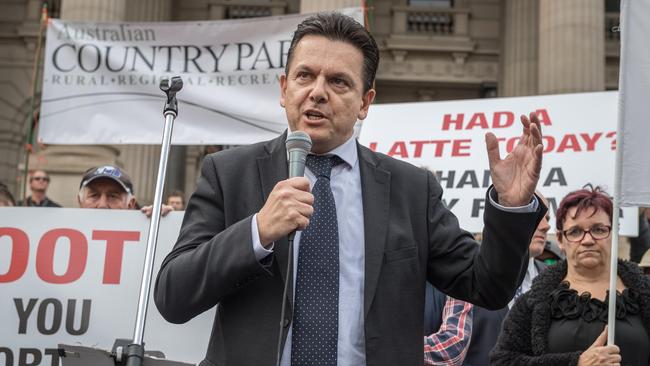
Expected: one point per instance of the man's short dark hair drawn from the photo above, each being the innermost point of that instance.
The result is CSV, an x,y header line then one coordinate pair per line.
x,y
338,27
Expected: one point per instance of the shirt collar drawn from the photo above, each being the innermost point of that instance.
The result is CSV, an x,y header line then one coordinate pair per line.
x,y
346,151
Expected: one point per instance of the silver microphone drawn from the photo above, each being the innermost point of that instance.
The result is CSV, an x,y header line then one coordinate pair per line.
x,y
298,146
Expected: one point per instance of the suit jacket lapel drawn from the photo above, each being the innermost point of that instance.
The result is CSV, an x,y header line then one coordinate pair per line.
x,y
375,186
272,169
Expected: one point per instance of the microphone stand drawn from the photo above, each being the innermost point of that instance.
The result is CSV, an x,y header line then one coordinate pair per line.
x,y
288,277
135,351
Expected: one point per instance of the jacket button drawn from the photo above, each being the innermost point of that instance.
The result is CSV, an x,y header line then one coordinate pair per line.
x,y
285,322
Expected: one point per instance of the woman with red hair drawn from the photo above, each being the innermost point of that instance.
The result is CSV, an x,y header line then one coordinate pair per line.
x,y
562,319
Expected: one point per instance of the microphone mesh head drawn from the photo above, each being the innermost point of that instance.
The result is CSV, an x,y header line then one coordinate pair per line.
x,y
298,140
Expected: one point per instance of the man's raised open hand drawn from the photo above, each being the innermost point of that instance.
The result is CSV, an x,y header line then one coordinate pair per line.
x,y
516,176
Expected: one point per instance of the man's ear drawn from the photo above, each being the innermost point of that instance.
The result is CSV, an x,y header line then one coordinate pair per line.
x,y
131,204
283,88
366,101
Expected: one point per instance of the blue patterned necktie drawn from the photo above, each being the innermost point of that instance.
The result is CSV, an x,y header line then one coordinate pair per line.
x,y
316,308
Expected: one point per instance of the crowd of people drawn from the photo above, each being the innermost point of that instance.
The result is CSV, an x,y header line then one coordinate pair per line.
x,y
558,315
105,186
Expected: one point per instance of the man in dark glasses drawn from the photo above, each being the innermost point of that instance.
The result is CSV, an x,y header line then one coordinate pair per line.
x,y
39,180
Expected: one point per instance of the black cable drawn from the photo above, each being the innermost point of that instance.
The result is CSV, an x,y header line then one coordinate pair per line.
x,y
287,278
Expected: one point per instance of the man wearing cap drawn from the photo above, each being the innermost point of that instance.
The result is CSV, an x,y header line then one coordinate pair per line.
x,y
110,187
106,187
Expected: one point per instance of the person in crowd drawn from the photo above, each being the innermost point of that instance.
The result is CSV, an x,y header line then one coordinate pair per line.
x,y
640,244
486,322
39,180
110,187
176,199
562,319
447,332
371,230
551,254
6,198
107,187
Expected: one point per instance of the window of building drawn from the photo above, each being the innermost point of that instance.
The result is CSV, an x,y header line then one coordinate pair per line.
x,y
432,3
247,11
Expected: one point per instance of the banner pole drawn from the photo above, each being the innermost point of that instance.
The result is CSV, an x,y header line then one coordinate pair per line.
x,y
32,119
613,263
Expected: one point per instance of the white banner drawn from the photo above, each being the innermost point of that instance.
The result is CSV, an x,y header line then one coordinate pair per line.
x,y
101,80
449,138
73,276
633,99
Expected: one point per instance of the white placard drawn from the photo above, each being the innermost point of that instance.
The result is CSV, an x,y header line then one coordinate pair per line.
x,y
449,138
73,276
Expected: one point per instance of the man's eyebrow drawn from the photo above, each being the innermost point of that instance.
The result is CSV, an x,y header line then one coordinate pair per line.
x,y
302,67
342,75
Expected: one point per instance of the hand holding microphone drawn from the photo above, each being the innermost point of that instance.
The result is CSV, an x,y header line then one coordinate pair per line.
x,y
290,203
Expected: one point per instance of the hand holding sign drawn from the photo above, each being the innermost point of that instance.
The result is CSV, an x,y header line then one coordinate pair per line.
x,y
515,177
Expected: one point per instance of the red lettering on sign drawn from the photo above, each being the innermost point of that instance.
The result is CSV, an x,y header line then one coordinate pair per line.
x,y
591,140
76,261
569,142
457,122
460,147
399,149
114,252
478,120
418,148
439,145
498,122
19,254
542,115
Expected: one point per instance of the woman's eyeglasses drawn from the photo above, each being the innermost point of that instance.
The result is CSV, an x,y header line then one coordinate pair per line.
x,y
576,234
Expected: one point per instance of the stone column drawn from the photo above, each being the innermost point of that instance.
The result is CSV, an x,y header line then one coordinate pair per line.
x,y
148,10
93,10
313,6
519,51
571,46
66,163
19,46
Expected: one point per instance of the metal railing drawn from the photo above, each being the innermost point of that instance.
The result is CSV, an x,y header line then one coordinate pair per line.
x,y
418,20
246,9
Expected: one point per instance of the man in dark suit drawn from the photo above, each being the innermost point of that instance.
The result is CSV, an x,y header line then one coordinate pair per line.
x,y
371,234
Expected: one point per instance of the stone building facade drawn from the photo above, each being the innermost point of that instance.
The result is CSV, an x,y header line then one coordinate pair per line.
x,y
431,50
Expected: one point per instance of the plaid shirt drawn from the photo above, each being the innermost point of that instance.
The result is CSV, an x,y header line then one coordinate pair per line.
x,y
449,345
